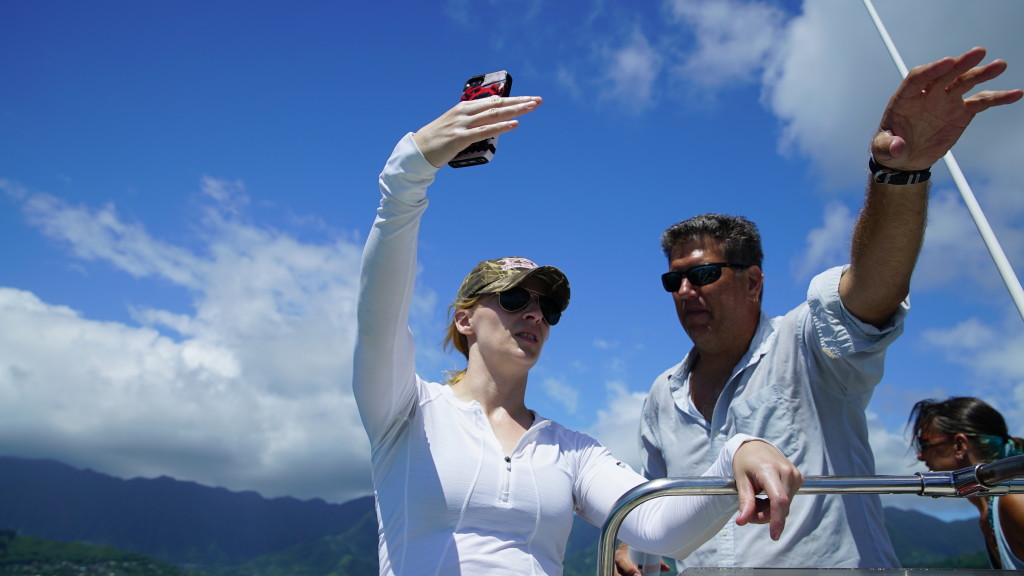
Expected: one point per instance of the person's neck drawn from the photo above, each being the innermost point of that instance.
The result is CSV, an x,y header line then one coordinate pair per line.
x,y
708,378
711,370
502,403
504,391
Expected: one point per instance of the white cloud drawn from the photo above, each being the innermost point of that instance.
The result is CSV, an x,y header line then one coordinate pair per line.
x,y
952,237
631,71
249,390
732,39
569,81
229,195
828,87
992,352
828,245
831,77
565,395
101,235
618,425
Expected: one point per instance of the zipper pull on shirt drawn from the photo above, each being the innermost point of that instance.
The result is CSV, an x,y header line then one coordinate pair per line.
x,y
504,496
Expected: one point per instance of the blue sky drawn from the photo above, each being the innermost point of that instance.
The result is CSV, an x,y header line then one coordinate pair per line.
x,y
185,188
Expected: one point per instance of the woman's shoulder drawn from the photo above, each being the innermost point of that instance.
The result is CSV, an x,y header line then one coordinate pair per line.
x,y
1011,509
568,438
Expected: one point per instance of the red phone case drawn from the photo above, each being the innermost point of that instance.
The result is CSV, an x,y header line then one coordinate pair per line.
x,y
494,84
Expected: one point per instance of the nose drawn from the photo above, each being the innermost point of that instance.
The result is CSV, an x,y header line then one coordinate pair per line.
x,y
532,310
686,289
920,455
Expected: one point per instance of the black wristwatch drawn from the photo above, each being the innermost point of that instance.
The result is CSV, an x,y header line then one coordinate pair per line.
x,y
885,175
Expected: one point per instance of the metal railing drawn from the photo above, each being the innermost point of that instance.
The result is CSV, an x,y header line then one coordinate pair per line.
x,y
995,478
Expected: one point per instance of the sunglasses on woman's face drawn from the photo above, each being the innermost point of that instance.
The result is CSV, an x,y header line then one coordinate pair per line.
x,y
698,275
517,298
926,442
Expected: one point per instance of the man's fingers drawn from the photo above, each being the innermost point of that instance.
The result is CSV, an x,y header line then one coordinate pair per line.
x,y
988,98
888,149
964,64
964,83
943,73
624,565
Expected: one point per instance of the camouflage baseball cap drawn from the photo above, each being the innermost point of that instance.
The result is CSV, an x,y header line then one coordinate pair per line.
x,y
491,276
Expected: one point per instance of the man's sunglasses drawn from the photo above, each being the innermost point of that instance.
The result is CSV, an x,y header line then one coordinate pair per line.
x,y
698,275
517,298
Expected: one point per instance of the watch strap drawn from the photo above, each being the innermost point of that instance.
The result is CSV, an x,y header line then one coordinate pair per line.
x,y
885,175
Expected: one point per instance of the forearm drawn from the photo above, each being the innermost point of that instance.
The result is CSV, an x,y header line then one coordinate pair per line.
x,y
675,526
922,121
384,353
886,242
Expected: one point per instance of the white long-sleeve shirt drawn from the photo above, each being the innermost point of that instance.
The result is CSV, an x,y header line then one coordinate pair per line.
x,y
448,499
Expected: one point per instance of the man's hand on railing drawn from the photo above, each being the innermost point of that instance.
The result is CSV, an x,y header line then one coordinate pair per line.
x,y
625,566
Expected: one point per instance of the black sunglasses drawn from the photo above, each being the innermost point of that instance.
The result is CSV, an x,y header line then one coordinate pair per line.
x,y
517,298
926,442
698,275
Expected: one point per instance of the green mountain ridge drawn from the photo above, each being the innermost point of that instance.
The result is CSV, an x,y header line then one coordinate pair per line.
x,y
197,529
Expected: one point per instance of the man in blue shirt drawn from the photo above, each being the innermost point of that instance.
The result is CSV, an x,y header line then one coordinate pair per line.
x,y
803,381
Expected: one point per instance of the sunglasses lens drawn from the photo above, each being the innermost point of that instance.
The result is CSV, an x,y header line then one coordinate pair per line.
x,y
514,299
704,275
672,281
549,308
517,298
698,276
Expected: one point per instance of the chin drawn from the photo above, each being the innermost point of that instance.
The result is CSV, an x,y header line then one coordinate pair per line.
x,y
697,333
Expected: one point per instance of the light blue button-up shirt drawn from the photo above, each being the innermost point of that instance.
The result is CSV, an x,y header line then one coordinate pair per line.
x,y
803,385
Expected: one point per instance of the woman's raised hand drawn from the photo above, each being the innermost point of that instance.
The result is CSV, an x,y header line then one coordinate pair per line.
x,y
468,122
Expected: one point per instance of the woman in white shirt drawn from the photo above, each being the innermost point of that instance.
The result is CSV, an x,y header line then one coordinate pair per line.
x,y
467,479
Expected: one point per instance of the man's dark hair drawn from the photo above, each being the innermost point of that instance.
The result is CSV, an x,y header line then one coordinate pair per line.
x,y
738,236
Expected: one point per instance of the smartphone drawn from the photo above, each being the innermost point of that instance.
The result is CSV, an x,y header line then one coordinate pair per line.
x,y
494,84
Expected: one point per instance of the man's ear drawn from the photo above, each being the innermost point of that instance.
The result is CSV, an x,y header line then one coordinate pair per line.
x,y
755,283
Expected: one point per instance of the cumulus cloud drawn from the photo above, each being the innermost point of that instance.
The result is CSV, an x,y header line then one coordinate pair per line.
x,y
825,85
827,245
250,389
618,425
951,237
732,39
992,352
631,70
100,235
566,396
831,77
